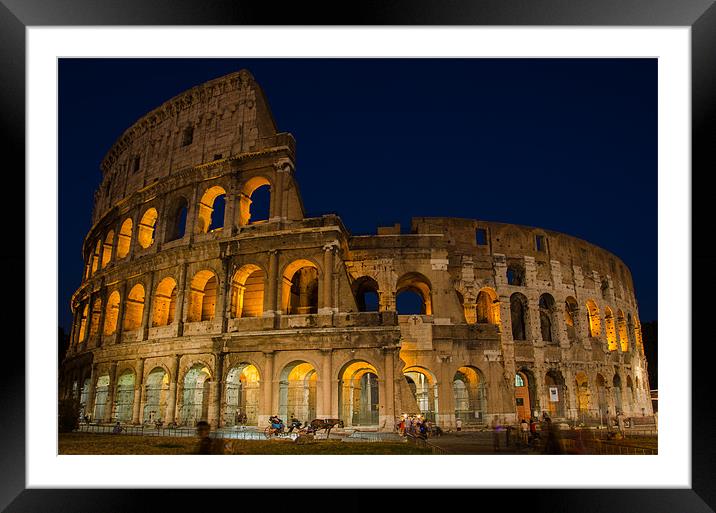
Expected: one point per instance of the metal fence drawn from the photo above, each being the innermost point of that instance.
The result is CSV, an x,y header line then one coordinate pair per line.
x,y
599,446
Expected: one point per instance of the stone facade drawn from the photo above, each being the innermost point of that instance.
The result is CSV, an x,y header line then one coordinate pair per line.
x,y
183,316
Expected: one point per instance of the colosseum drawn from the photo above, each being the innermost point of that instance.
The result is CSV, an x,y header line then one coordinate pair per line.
x,y
193,306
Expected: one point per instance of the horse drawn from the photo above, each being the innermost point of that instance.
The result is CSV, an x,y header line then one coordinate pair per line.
x,y
326,424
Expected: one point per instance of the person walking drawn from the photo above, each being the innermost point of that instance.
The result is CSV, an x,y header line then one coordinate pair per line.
x,y
620,423
458,424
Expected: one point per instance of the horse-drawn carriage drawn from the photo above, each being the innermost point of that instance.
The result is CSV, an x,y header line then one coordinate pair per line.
x,y
309,429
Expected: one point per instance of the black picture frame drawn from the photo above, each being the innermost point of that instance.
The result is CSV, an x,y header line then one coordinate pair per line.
x,y
700,15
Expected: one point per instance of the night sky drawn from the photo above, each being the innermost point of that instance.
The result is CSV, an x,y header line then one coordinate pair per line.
x,y
563,144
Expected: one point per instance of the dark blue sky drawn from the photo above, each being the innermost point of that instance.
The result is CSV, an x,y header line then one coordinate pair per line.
x,y
564,144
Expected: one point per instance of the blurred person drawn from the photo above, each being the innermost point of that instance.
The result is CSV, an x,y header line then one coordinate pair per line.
x,y
207,444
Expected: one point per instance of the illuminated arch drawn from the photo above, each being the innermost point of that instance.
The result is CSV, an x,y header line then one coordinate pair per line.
x,y
246,215
108,248
418,284
95,316
195,395
125,238
297,391
610,329
571,314
96,256
247,291
623,333
365,291
156,394
468,387
593,320
145,231
203,293
488,307
299,291
165,302
358,394
424,389
134,308
583,395
206,206
124,397
112,313
242,395
83,322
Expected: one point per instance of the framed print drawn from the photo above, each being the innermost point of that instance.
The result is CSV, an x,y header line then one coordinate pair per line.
x,y
171,324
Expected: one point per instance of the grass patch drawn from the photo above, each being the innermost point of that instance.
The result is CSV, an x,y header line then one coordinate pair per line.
x,y
92,443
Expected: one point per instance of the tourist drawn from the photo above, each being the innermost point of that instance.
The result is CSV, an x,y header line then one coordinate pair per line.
x,y
458,424
620,423
524,432
207,444
117,429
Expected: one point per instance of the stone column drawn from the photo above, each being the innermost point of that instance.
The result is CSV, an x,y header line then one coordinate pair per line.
x,y
172,400
120,313
88,323
446,408
109,405
223,291
148,306
276,207
215,391
327,303
192,216
267,385
388,402
89,407
102,314
180,308
133,238
138,385
230,214
271,303
326,376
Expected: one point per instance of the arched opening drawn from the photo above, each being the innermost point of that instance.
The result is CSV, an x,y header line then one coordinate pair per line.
x,y
582,387
112,313
365,290
254,201
524,394
518,315
413,295
96,256
83,323
515,275
623,334
134,308
424,388
610,329
468,388
211,212
100,397
617,389
488,307
247,291
554,382
602,402
84,396
195,395
165,302
571,313
176,220
107,248
297,391
202,301
145,232
546,317
242,396
96,314
593,319
358,395
125,238
156,393
630,391
605,290
124,397
300,288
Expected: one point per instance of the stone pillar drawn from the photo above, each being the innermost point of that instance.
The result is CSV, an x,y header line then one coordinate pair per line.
x,y
133,238
148,306
445,414
223,292
138,385
276,207
172,400
230,214
570,391
120,313
388,402
102,315
323,410
192,216
215,391
179,314
271,302
89,407
88,323
109,405
267,386
327,303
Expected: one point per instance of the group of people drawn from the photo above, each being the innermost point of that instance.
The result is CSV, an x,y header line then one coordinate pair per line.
x,y
278,425
417,426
